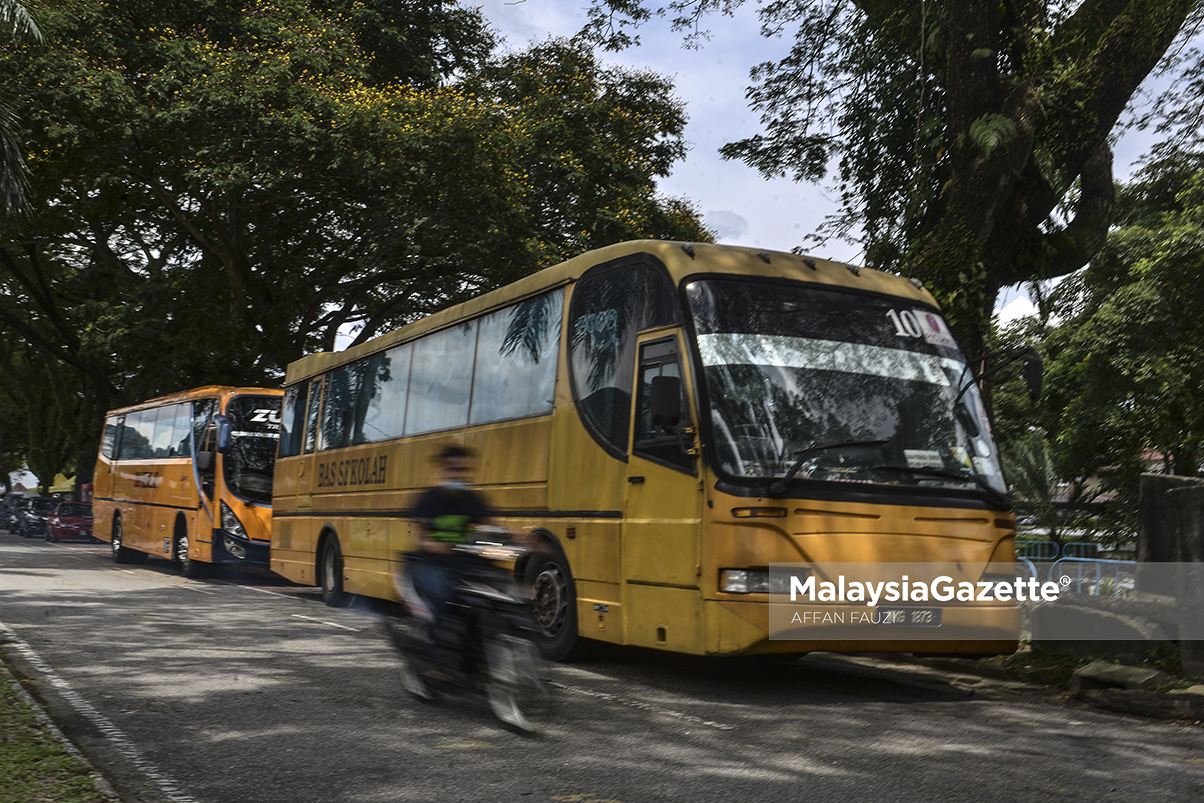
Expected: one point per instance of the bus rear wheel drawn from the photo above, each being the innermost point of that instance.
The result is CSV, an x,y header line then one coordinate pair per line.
x,y
122,553
554,605
332,574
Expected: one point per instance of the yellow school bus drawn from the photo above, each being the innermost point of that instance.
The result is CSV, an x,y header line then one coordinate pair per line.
x,y
671,420
188,477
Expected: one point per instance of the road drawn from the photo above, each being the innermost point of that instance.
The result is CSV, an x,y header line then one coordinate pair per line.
x,y
242,687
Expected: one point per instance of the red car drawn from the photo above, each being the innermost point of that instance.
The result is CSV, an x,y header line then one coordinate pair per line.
x,y
70,520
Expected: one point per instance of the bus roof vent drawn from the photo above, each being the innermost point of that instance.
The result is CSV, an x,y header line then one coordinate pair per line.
x,y
810,263
853,269
688,248
764,257
919,285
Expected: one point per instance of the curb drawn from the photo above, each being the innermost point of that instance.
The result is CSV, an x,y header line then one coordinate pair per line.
x,y
1152,705
98,781
1148,704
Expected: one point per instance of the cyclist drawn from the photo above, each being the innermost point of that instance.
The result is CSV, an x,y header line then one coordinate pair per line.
x,y
448,512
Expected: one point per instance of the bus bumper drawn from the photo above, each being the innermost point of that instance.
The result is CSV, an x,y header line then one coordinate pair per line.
x,y
231,550
744,628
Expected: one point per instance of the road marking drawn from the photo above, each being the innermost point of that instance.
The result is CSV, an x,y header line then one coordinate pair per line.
x,y
122,743
324,622
655,709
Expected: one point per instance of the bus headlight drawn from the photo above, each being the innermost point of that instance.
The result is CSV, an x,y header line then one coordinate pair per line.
x,y
735,581
757,581
230,522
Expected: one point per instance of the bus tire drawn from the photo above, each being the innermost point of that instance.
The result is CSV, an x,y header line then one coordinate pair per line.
x,y
331,573
179,551
554,603
122,553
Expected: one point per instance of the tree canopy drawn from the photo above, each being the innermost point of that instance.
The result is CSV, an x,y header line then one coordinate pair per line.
x,y
218,188
970,138
15,22
1123,341
1127,368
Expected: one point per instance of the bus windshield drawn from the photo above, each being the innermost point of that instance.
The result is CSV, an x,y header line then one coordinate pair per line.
x,y
850,387
255,430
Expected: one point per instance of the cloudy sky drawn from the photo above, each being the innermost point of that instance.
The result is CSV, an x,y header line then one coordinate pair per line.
x,y
738,203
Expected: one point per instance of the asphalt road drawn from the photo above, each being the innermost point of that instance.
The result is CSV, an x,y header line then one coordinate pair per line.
x,y
242,687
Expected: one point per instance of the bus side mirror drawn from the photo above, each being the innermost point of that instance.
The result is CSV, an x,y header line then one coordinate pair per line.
x,y
1034,368
204,461
664,401
223,433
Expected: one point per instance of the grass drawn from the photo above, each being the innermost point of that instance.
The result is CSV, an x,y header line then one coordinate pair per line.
x,y
35,767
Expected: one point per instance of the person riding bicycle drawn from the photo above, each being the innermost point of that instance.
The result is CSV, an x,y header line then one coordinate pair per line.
x,y
448,513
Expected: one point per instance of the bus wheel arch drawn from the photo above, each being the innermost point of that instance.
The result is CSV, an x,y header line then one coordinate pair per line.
x,y
329,570
180,548
553,599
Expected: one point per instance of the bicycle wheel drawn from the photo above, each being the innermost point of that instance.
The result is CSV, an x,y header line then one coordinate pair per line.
x,y
405,637
518,689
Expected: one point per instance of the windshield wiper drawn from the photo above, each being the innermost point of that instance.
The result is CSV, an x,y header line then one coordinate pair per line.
x,y
954,475
778,486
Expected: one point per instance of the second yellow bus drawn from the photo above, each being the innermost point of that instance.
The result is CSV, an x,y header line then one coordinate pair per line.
x,y
188,477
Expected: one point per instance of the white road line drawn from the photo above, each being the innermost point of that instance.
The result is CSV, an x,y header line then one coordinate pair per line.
x,y
655,709
122,743
324,622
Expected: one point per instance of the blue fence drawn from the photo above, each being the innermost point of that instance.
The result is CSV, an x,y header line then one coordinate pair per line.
x,y
1048,550
1077,567
1096,576
1037,550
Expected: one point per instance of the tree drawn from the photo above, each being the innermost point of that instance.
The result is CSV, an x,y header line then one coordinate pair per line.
x,y
1057,506
961,128
1128,361
1124,347
16,21
218,189
53,414
594,141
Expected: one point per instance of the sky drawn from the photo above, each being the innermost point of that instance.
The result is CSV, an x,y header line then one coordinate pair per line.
x,y
739,204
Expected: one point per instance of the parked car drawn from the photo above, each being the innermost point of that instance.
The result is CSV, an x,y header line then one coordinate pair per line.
x,y
70,520
17,506
6,515
33,514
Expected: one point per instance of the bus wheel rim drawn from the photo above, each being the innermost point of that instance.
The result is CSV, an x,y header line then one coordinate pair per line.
x,y
329,568
550,599
182,550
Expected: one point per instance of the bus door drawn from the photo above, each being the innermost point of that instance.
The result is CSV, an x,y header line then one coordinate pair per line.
x,y
663,505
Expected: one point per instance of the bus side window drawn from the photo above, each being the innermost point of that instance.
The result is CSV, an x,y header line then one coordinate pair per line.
x,y
110,445
311,417
612,303
292,419
136,435
662,441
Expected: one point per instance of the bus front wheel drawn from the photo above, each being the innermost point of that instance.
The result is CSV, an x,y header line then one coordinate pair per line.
x,y
188,567
554,605
332,574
